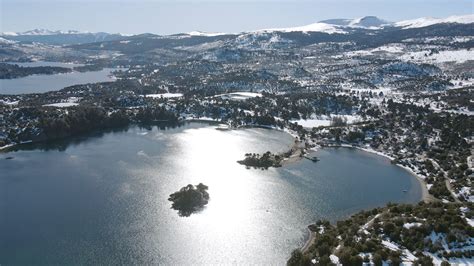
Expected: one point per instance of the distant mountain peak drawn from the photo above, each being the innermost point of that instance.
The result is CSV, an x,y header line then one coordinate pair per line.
x,y
368,22
337,21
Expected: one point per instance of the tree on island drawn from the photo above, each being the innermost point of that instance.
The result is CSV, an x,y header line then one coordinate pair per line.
x,y
189,199
263,161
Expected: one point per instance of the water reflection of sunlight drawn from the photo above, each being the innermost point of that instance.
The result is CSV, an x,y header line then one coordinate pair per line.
x,y
243,202
210,157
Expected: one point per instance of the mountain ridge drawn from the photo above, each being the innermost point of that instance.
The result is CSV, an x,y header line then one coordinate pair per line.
x,y
329,26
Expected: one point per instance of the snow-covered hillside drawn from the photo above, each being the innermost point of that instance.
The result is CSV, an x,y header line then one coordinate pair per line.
x,y
341,26
428,21
315,27
5,41
332,26
368,22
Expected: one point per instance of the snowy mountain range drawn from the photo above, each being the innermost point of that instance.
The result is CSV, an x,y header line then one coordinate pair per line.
x,y
330,26
60,37
372,23
42,32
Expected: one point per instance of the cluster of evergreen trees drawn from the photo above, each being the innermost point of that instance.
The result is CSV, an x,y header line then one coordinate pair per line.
x,y
55,124
10,71
264,161
347,240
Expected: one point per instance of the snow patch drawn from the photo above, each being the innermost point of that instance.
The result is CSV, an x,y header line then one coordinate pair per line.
x,y
61,105
407,257
164,95
71,101
334,259
390,245
239,95
410,225
9,102
325,120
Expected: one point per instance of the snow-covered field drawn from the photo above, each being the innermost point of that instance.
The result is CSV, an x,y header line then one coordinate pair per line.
x,y
61,104
239,95
164,95
325,120
71,101
201,118
310,123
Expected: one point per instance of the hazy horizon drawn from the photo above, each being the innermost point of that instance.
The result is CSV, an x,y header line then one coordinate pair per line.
x,y
168,17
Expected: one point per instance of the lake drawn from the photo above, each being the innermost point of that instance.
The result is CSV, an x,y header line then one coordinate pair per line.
x,y
103,199
44,83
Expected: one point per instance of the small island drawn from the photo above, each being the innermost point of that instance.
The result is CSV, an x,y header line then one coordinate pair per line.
x,y
189,199
268,159
263,161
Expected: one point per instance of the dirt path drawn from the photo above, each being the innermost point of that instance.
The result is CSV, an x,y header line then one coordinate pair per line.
x,y
308,242
296,153
450,188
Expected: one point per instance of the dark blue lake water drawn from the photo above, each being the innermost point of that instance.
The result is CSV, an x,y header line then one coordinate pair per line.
x,y
103,199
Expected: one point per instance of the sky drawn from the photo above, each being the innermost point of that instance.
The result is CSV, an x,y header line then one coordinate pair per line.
x,y
177,16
